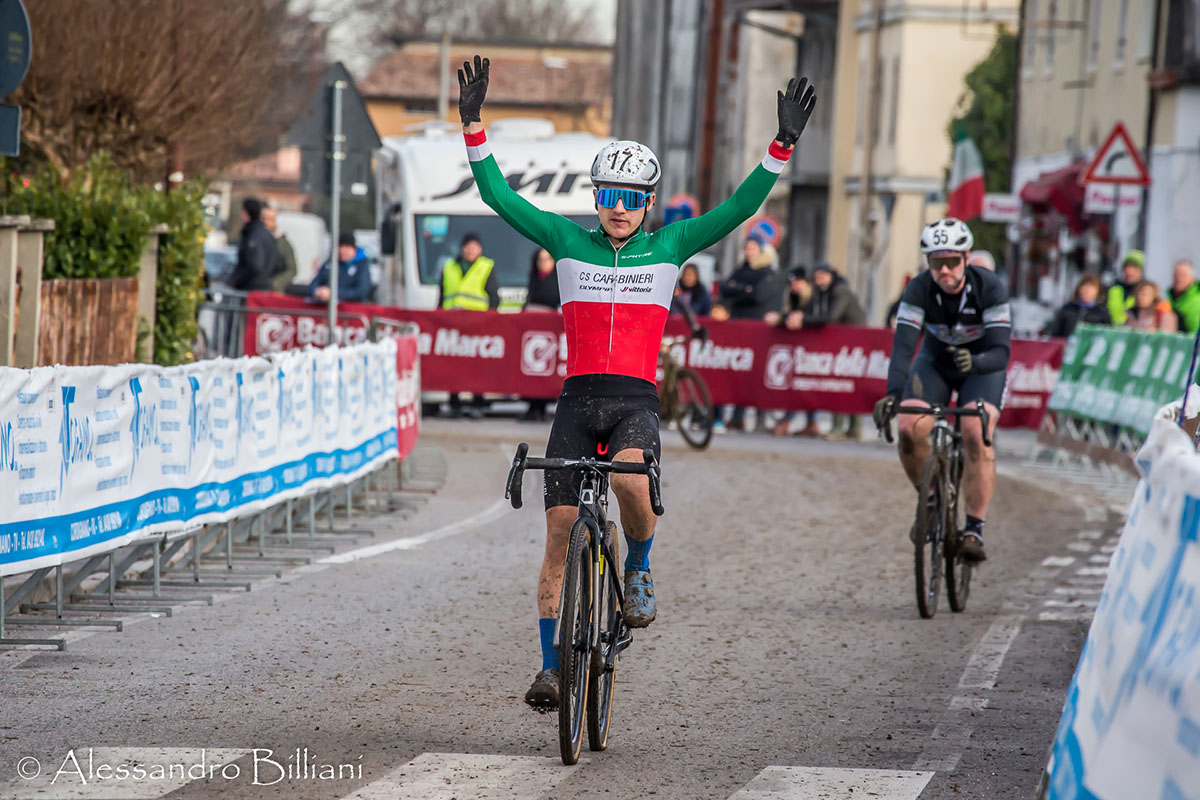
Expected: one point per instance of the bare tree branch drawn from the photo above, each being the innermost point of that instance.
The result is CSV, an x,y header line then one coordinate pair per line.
x,y
523,20
214,79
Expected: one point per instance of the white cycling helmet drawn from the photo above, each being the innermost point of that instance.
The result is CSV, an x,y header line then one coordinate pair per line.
x,y
626,163
946,235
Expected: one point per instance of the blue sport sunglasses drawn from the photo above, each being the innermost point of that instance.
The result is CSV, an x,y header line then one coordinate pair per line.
x,y
632,199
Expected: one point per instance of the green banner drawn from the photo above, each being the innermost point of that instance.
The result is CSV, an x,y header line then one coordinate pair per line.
x,y
1120,376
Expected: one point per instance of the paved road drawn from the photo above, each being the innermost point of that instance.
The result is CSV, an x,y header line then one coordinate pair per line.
x,y
788,660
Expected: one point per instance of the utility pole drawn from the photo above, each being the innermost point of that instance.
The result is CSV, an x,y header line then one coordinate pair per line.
x,y
335,203
867,220
443,106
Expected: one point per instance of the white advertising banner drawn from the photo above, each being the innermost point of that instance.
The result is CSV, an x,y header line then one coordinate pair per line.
x,y
1131,723
92,458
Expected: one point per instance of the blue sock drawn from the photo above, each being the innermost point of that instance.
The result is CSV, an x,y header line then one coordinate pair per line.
x,y
637,554
549,654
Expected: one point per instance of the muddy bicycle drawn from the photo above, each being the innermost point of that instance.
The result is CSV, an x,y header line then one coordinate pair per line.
x,y
683,396
941,515
591,631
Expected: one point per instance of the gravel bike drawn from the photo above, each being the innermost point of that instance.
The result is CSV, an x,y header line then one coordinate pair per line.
x,y
683,397
940,514
591,631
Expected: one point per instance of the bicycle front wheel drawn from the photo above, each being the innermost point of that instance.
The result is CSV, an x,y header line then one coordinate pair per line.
x,y
958,569
608,620
693,408
931,516
574,626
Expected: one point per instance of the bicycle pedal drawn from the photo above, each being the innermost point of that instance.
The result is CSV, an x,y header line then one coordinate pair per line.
x,y
543,710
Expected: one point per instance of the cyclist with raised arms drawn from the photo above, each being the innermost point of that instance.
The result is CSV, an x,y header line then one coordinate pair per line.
x,y
964,313
616,284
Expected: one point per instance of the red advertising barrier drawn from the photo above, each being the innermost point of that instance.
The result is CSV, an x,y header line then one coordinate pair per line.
x,y
838,369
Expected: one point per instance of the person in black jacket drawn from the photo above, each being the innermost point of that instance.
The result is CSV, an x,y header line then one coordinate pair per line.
x,y
692,293
1084,306
833,302
542,296
257,251
543,283
753,289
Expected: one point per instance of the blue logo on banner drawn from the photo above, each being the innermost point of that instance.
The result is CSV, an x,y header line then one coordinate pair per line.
x,y
343,389
199,420
8,448
74,435
144,427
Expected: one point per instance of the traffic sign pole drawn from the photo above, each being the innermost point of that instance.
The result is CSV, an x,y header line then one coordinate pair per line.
x,y
335,205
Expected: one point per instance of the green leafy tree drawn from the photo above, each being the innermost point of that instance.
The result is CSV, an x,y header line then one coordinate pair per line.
x,y
987,109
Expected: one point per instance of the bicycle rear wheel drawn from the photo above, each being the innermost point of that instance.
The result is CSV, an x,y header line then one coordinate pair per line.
x,y
693,409
931,517
600,678
958,570
574,625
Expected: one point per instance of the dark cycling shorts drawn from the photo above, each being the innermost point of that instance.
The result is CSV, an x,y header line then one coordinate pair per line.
x,y
928,382
598,416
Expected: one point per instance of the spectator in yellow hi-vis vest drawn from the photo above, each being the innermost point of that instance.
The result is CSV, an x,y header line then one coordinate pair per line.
x,y
1120,294
469,282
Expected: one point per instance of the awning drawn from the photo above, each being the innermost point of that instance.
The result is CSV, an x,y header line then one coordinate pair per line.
x,y
1058,189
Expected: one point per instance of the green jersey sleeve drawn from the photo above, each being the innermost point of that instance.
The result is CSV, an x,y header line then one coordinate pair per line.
x,y
690,236
551,231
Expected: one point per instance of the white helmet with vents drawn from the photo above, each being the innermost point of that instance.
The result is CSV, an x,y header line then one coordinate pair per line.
x,y
946,235
626,163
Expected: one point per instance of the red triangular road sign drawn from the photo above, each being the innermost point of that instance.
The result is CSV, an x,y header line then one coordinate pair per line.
x,y
1117,161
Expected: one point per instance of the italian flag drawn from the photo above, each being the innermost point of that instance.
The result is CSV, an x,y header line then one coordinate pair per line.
x,y
966,179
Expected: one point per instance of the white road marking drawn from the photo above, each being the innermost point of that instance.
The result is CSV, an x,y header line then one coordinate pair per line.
x,y
492,512
87,773
1090,534
1103,571
1064,616
815,783
1058,561
1089,603
1072,591
451,776
1100,559
1080,547
988,656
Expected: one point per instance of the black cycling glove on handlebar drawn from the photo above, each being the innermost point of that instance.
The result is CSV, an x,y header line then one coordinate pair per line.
x,y
885,409
795,107
472,87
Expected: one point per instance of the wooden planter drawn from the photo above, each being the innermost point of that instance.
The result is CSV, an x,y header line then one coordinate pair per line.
x,y
88,321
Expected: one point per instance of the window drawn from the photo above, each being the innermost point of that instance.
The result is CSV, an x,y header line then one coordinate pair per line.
x,y
1031,37
1122,18
1147,33
1051,21
895,100
1093,12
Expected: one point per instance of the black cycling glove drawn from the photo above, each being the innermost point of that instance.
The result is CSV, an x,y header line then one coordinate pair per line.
x,y
962,358
472,87
795,107
885,409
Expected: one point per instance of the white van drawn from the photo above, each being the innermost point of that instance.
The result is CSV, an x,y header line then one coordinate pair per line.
x,y
428,176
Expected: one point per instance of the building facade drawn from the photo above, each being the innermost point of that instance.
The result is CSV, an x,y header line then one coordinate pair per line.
x,y
900,78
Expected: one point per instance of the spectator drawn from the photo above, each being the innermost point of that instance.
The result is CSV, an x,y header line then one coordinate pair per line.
x,y
1150,312
691,292
1120,294
982,259
1084,306
469,283
256,251
543,283
354,274
833,303
284,271
752,291
542,296
1185,297
796,304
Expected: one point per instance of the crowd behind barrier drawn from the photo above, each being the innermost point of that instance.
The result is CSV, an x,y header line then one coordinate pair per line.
x,y
1111,382
94,458
832,368
1130,726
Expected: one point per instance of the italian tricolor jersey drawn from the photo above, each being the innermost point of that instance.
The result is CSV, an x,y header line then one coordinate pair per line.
x,y
615,301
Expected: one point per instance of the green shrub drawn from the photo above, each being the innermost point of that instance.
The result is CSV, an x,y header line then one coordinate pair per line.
x,y
101,223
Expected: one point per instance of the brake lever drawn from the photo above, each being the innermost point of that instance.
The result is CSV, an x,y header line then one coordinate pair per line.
x,y
985,421
652,472
516,475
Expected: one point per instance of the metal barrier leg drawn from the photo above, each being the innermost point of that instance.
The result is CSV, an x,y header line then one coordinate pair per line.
x,y
60,644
